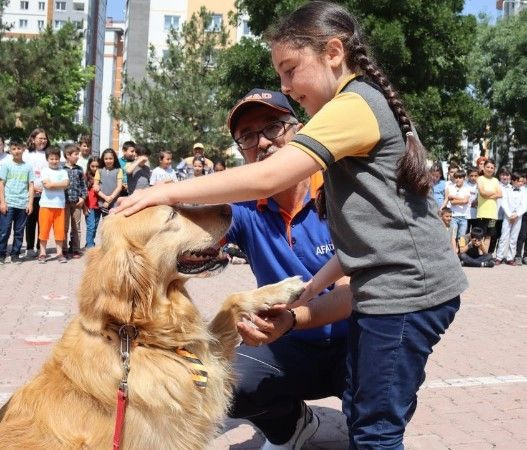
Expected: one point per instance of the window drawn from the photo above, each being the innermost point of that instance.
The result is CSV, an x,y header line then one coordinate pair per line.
x,y
22,23
78,6
78,24
171,22
246,30
60,6
24,5
40,25
59,24
41,6
216,22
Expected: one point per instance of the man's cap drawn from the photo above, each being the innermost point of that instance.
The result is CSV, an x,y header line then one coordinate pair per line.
x,y
198,145
272,99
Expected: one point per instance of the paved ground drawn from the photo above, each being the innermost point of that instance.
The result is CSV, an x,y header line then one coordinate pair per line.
x,y
475,396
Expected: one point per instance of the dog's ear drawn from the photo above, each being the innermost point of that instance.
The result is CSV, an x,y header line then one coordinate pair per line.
x,y
119,278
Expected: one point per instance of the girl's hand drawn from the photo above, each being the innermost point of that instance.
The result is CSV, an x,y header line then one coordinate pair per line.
x,y
143,198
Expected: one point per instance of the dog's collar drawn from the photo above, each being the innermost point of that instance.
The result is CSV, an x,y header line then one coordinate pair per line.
x,y
197,368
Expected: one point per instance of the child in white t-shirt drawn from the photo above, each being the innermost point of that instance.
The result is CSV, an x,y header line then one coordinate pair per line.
x,y
52,204
457,198
164,173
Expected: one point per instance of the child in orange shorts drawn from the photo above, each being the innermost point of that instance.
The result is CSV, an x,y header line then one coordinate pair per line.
x,y
52,204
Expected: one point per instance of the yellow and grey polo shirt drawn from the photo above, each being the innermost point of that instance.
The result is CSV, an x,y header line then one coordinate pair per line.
x,y
394,246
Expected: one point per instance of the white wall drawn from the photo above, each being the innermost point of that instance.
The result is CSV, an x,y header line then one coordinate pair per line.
x,y
157,35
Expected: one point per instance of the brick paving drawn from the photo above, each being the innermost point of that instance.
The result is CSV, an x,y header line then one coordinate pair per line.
x,y
475,395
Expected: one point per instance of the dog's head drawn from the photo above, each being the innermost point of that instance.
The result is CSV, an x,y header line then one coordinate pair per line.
x,y
142,255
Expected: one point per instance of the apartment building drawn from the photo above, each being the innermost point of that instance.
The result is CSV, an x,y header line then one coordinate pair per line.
x,y
148,22
29,17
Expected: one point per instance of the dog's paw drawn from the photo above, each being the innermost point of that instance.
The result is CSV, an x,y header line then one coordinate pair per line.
x,y
261,299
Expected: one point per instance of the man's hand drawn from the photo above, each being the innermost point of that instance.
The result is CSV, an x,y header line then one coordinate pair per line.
x,y
29,208
266,327
80,203
3,208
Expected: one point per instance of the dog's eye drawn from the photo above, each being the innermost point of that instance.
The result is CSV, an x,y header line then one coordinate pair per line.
x,y
172,215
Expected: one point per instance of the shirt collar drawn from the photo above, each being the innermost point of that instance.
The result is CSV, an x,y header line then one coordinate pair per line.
x,y
344,82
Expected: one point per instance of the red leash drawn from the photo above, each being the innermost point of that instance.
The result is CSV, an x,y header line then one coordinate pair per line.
x,y
119,421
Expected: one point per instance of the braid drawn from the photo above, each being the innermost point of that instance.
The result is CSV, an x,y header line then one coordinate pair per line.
x,y
411,168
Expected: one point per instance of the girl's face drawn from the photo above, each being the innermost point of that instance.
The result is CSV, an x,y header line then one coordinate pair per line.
x,y
93,167
41,141
166,161
488,170
198,168
108,160
309,78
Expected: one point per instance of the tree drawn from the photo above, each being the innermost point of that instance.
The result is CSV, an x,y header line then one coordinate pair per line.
x,y
499,77
40,82
177,103
421,45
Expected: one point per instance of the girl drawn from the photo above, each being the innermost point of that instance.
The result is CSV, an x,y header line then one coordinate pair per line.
x,y
198,164
35,156
164,173
383,220
93,213
108,180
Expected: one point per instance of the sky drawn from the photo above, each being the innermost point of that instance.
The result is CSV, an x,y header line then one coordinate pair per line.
x,y
115,8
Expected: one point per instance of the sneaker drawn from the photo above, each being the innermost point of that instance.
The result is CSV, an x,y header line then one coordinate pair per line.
x,y
62,259
488,263
77,255
306,427
15,259
524,260
497,262
31,253
2,260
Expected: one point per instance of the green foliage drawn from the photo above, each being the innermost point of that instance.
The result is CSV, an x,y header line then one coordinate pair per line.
x,y
40,82
499,75
422,46
178,102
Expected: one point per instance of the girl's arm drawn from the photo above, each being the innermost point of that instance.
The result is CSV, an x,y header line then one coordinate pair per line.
x,y
327,275
118,188
258,180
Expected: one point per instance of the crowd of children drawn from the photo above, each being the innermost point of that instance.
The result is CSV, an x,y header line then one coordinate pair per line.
x,y
42,186
486,216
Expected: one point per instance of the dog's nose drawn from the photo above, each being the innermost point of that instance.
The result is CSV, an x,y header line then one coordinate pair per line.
x,y
226,210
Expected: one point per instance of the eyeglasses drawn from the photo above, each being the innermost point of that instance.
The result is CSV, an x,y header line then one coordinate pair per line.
x,y
272,131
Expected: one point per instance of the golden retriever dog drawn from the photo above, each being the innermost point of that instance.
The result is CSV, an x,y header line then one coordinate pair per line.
x,y
137,276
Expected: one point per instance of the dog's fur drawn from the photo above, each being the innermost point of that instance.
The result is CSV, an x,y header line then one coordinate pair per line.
x,y
135,276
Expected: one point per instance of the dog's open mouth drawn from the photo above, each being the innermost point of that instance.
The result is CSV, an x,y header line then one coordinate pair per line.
x,y
201,261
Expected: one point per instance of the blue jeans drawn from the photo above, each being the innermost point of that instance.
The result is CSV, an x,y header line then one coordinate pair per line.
x,y
459,226
15,217
92,221
386,367
272,380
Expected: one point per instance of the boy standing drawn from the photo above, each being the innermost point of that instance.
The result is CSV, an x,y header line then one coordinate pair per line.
x,y
52,203
75,197
514,204
128,156
85,151
457,198
138,171
16,201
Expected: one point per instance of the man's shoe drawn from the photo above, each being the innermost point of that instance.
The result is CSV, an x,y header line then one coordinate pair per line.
x,y
2,260
524,260
306,427
488,263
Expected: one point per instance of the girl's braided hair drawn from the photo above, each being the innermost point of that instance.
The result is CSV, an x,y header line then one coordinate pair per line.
x,y
313,25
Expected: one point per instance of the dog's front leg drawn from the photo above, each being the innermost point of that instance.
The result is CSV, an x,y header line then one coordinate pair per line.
x,y
240,304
